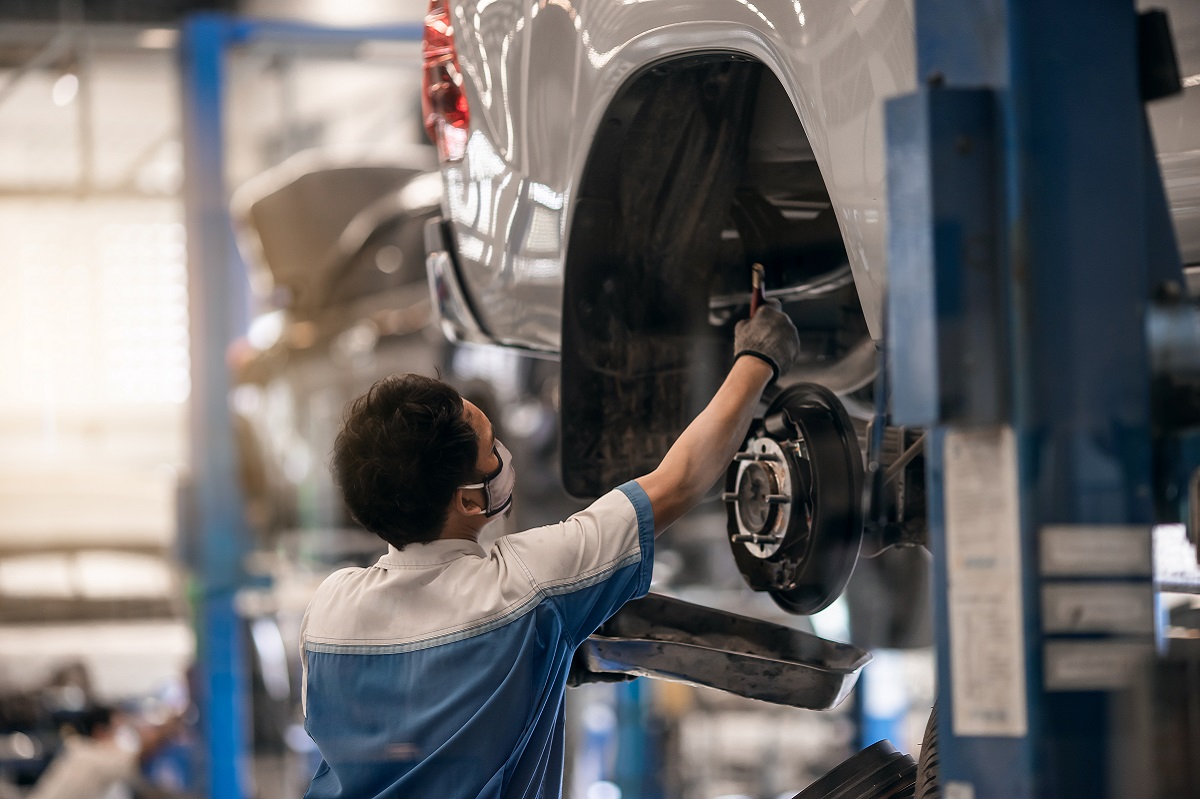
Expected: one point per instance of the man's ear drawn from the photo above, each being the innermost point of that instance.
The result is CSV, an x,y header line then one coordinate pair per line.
x,y
466,505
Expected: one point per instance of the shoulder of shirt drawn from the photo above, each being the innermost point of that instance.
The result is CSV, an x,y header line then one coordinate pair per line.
x,y
341,575
332,582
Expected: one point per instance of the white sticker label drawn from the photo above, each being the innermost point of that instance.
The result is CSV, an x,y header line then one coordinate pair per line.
x,y
1175,567
1095,550
983,535
1097,608
1094,665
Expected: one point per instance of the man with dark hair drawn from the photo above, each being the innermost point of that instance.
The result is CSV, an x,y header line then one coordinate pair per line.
x,y
405,448
440,671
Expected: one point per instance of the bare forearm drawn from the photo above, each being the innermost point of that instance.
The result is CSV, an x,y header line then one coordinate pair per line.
x,y
703,451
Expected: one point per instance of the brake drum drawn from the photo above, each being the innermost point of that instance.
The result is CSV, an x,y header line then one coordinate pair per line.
x,y
794,499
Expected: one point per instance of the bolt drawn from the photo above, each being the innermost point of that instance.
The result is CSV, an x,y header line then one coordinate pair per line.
x,y
744,538
761,457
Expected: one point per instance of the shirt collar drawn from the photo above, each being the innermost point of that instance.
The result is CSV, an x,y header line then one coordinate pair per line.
x,y
433,553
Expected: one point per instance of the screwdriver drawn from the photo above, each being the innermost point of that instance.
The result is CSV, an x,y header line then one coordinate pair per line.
x,y
758,279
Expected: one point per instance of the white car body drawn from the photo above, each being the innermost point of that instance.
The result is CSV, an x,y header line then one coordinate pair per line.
x,y
543,79
540,78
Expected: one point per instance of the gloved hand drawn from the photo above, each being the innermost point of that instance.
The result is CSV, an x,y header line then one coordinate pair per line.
x,y
769,335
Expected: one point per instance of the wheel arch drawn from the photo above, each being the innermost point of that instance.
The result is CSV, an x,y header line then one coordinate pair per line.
x,y
639,357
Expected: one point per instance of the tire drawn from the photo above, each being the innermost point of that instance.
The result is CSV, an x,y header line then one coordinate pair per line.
x,y
877,772
928,782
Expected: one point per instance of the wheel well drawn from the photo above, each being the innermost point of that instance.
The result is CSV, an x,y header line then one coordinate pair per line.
x,y
700,167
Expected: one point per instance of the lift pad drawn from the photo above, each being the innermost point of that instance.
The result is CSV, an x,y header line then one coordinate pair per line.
x,y
666,638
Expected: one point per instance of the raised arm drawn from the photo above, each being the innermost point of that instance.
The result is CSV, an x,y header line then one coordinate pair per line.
x,y
766,345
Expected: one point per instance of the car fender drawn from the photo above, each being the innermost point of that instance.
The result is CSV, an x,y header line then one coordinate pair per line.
x,y
509,201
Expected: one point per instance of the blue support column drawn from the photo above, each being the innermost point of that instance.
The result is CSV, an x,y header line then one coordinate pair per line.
x,y
1026,227
881,699
637,761
219,313
218,291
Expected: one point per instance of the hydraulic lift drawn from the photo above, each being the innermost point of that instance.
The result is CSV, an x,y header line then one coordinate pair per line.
x,y
1032,269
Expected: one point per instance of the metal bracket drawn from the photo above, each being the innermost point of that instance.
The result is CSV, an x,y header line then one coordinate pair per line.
x,y
946,290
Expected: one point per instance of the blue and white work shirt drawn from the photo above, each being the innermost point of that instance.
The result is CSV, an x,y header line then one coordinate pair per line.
x,y
439,672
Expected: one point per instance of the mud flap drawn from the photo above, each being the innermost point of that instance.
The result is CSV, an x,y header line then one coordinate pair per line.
x,y
639,359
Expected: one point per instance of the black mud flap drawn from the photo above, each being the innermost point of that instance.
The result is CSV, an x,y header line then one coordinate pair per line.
x,y
639,358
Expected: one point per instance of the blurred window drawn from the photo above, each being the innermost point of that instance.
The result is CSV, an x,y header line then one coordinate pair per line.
x,y
93,303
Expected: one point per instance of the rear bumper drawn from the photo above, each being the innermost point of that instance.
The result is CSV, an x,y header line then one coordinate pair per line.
x,y
455,314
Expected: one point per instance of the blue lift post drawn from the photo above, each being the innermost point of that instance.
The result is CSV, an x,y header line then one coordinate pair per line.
x,y
219,309
1026,230
218,298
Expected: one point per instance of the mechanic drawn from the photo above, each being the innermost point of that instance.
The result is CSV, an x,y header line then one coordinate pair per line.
x,y
440,671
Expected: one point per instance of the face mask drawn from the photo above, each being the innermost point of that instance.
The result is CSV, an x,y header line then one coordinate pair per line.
x,y
499,487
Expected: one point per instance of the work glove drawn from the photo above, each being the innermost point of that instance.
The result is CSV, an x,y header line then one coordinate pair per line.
x,y
769,335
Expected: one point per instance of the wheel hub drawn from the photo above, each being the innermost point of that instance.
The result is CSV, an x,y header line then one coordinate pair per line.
x,y
762,497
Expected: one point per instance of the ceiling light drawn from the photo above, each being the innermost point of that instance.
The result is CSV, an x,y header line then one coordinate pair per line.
x,y
65,89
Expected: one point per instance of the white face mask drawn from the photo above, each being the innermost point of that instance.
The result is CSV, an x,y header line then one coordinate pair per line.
x,y
498,488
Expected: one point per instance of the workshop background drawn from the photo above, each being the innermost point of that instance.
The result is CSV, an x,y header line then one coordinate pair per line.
x,y
96,602
105,572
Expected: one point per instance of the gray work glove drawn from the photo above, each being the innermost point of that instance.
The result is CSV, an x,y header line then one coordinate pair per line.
x,y
769,335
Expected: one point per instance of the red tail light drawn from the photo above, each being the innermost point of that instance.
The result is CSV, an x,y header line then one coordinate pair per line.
x,y
443,101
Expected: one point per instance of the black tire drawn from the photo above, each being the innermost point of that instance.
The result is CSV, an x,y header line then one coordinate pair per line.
x,y
877,772
928,782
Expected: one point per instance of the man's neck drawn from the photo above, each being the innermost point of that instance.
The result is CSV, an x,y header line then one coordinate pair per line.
x,y
460,528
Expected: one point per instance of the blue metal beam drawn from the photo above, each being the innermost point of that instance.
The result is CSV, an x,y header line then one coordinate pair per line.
x,y
242,31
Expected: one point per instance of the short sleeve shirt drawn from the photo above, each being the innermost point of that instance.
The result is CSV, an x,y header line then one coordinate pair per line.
x,y
440,671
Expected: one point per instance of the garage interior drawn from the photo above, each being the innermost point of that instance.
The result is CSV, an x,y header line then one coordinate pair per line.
x,y
220,222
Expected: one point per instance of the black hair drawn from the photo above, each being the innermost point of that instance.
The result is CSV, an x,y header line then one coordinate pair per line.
x,y
404,448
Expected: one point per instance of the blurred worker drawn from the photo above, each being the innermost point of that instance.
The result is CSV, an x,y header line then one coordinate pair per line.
x,y
103,760
440,671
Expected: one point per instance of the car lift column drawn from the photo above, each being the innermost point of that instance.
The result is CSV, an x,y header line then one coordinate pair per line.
x,y
1026,227
216,534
